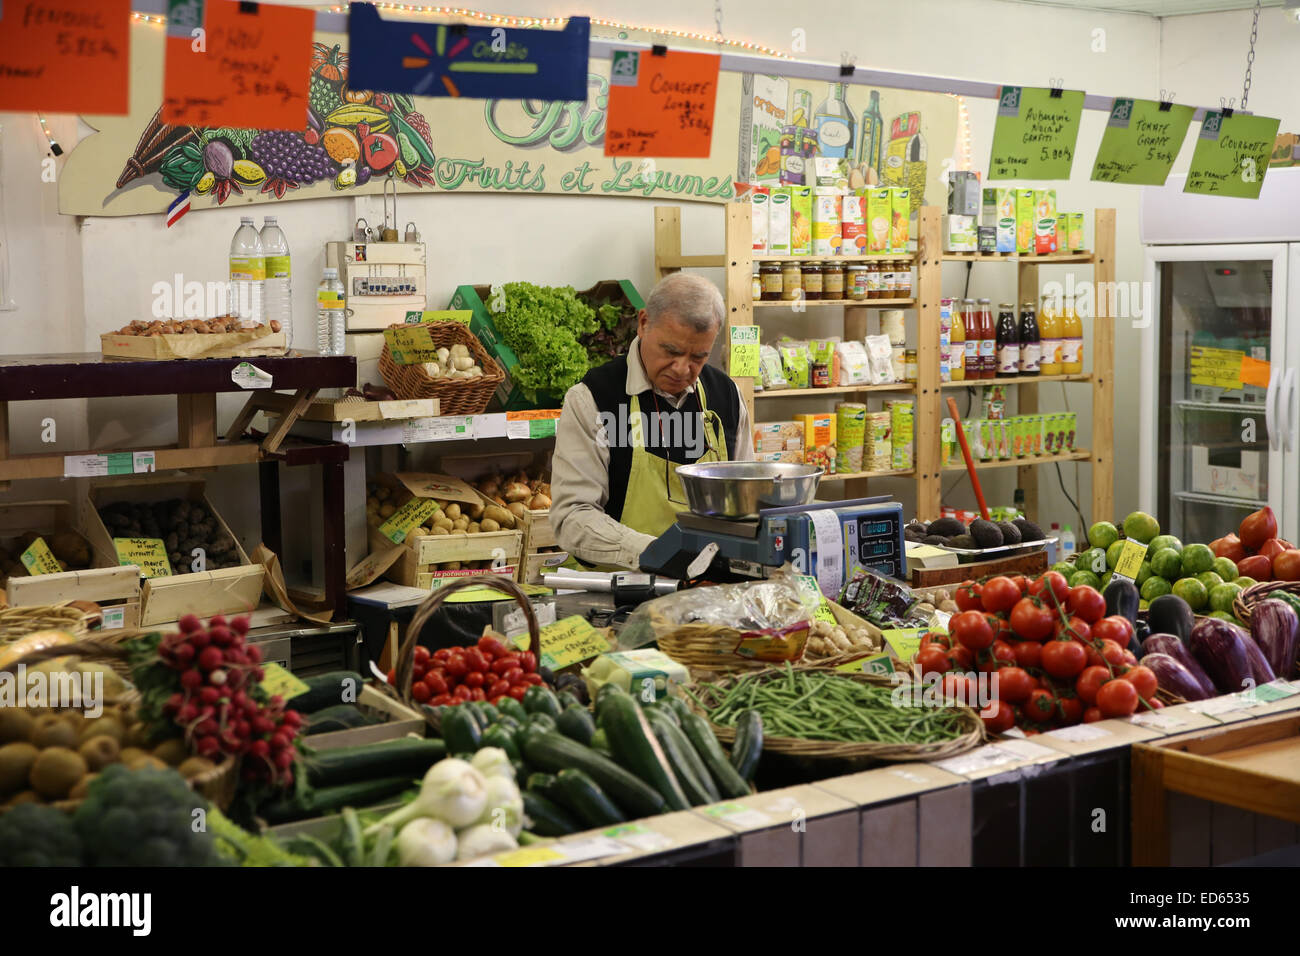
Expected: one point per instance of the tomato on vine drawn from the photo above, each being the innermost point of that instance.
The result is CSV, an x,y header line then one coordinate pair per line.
x,y
1087,603
1040,706
1064,658
968,597
972,629
1030,620
999,595
1055,581
1117,698
1090,682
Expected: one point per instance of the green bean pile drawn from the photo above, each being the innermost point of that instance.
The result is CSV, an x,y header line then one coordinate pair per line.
x,y
818,705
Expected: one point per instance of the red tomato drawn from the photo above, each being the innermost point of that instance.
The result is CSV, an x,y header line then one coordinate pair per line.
x,y
1071,709
436,684
475,659
1030,620
1028,653
968,597
1004,654
442,700
534,679
1002,719
418,672
961,656
517,691
457,665
1116,628
931,639
1112,653
1257,566
475,679
499,689
504,663
420,692
1271,549
1040,707
462,692
959,688
1056,582
1230,547
1090,682
972,629
441,654
421,655
1064,658
1143,680
932,660
1086,603
1129,657
1021,582
490,645
392,676
1286,566
1014,684
477,694
1117,698
1155,703
513,675
1091,715
1075,629
528,661
999,594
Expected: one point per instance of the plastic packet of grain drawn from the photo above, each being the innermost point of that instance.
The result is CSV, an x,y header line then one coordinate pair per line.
x,y
850,433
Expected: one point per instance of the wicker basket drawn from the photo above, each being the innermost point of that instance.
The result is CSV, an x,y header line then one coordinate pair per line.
x,y
462,396
18,622
218,786
973,733
1244,604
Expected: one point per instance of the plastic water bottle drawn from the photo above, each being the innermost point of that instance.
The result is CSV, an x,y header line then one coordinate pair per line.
x,y
279,295
247,273
1067,543
331,312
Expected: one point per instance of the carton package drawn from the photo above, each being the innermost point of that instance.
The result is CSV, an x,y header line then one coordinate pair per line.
x,y
900,223
963,193
819,440
801,203
903,434
788,457
1077,241
988,238
1044,221
825,221
880,211
1024,221
778,221
999,214
760,202
853,224
959,233
1062,231
763,113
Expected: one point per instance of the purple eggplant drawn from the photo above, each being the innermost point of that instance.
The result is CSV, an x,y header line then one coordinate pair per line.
x,y
1171,645
1221,649
1175,678
1275,627
1260,669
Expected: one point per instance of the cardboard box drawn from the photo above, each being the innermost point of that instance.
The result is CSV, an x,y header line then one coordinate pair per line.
x,y
233,590
963,193
366,347
779,430
825,222
959,233
509,395
1243,482
1077,241
1000,214
763,112
399,720
155,348
536,563
853,225
900,198
880,213
819,439
1024,221
1044,221
778,222
987,238
760,202
116,590
790,457
801,207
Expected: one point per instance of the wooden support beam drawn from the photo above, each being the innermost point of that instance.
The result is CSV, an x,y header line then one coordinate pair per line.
x,y
302,398
1027,401
928,409
196,420
739,297
1103,368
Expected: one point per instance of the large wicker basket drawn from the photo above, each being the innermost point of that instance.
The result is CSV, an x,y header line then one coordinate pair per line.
x,y
1243,605
462,396
17,622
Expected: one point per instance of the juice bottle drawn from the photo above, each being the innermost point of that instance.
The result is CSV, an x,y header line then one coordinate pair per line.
x,y
1008,340
970,322
988,341
1071,339
1030,348
1049,328
957,349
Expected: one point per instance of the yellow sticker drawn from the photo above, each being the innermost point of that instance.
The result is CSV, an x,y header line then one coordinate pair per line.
x,y
744,352
1130,560
905,641
148,554
570,640
824,613
411,515
1216,368
39,559
463,316
874,664
411,344
528,856
277,680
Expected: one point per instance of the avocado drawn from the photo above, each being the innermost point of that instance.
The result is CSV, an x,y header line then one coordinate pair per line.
x,y
985,533
936,539
911,533
1028,530
947,527
1010,533
963,542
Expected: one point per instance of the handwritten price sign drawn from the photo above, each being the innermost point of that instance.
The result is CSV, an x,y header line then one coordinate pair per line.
x,y
1035,133
1141,142
661,105
147,554
49,50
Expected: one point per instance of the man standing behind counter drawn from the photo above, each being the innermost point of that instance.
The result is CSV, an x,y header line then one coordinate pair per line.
x,y
629,423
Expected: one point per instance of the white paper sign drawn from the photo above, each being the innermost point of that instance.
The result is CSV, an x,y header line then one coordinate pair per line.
x,y
443,428
247,375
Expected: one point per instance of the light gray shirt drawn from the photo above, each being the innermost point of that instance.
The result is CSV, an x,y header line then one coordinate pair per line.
x,y
580,473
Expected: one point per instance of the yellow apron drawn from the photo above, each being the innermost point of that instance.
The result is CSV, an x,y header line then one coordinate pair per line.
x,y
651,504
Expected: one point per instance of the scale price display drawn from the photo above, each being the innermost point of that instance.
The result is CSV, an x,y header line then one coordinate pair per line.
x,y
878,527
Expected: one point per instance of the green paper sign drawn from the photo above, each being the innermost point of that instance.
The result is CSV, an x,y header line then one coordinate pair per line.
x,y
1141,142
744,352
1035,133
1232,154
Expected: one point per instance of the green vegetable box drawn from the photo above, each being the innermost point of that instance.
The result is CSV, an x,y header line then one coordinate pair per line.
x,y
561,333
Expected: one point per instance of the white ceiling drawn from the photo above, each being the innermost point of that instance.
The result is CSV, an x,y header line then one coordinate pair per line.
x,y
1157,8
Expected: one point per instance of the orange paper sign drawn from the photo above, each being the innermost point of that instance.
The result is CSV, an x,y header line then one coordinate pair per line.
x,y
248,66
1254,372
661,104
65,56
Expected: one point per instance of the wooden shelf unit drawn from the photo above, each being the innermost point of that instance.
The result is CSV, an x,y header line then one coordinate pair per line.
x,y
738,261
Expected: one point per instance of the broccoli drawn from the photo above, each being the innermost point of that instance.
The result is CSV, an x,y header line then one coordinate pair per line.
x,y
32,834
143,817
241,848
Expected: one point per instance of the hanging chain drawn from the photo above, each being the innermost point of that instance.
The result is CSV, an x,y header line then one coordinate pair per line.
x,y
1250,57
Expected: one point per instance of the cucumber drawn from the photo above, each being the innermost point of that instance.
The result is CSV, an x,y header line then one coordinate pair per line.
x,y
600,743
497,736
586,799
576,723
676,703
567,700
547,818
315,803
509,724
540,700
475,707
326,690
749,744
698,732
540,783
486,713
664,710
540,720
460,730
512,708
687,766
554,752
338,717
603,694
410,756
634,745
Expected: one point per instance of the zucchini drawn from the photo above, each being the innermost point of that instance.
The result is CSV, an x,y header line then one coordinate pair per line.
x,y
600,743
480,718
567,700
577,723
687,766
541,721
460,730
634,745
663,709
326,690
338,717
512,708
603,694
540,782
676,703
489,712
555,752
409,756
316,803
496,736
749,744
698,732
547,818
520,768
540,700
586,799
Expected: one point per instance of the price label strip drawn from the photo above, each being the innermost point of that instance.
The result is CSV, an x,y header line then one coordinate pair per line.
x,y
108,465
538,423
147,554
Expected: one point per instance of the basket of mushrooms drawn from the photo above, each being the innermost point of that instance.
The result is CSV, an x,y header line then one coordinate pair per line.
x,y
462,378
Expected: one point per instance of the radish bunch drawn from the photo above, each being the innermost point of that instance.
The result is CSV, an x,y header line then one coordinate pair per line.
x,y
221,706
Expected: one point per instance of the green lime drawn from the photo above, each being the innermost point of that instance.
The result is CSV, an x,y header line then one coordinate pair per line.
x,y
1094,560
1195,559
1167,564
1144,572
1224,616
1112,554
1163,541
1209,579
1079,578
1225,569
1154,587
1221,597
1244,582
1105,579
1193,592
1144,604
1140,526
1102,535
1064,567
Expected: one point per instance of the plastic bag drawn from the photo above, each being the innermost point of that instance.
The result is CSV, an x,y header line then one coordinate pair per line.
x,y
770,365
796,363
880,355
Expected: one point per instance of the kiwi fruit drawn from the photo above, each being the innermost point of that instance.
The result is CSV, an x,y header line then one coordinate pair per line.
x,y
172,752
1010,533
948,527
1028,530
16,761
56,771
53,731
99,752
195,766
147,760
137,735
82,788
963,542
130,754
985,533
15,724
27,796
103,727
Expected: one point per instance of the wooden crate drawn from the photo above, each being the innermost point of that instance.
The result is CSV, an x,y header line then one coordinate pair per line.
x,y
1029,564
223,591
428,580
116,590
220,345
540,534
45,517
399,720
535,563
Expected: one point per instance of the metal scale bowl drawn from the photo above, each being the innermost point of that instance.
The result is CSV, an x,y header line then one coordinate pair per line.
x,y
741,489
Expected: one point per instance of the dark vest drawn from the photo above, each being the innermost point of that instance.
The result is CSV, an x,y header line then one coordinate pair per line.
x,y
608,385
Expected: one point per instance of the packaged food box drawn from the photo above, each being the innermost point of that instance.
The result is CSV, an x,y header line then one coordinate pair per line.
x,y
763,113
1000,215
830,172
1050,421
801,203
1024,221
1077,242
902,427
880,212
770,445
1035,435
825,222
778,221
963,192
1069,424
1044,221
985,445
949,450
987,238
853,224
819,440
789,457
1062,231
901,218
760,202
850,429
782,430
959,233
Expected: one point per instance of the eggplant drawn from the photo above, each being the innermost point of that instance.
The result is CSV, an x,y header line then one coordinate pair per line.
x,y
1275,627
1174,677
1170,614
1169,644
1220,648
1260,669
1122,598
